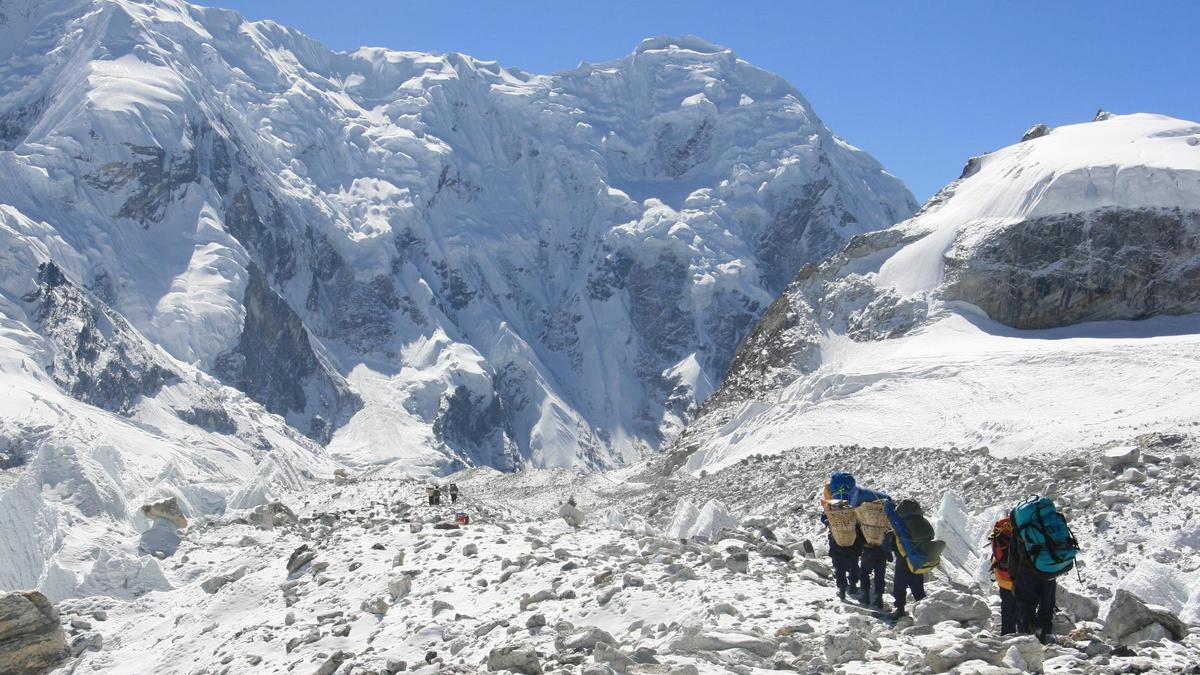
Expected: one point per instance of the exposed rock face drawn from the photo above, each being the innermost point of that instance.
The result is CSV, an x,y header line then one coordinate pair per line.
x,y
274,363
1109,264
1035,131
98,358
31,639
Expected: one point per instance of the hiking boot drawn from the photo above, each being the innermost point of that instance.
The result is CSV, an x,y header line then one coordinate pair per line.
x,y
898,614
842,593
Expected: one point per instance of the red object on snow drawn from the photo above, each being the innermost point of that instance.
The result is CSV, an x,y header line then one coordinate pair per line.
x,y
462,518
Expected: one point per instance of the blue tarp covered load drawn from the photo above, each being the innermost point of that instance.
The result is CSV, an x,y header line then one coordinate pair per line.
x,y
914,536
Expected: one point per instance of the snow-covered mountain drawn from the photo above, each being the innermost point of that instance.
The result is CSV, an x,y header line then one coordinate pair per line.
x,y
1047,300
427,259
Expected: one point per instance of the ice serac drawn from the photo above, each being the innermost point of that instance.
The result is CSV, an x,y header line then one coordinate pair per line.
x,y
1046,300
424,259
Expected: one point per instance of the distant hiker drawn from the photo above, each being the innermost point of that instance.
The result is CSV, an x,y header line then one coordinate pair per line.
x,y
845,540
1001,540
904,580
1043,549
453,493
429,494
435,495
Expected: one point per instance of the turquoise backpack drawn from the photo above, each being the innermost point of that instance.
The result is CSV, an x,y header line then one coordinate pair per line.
x,y
1048,545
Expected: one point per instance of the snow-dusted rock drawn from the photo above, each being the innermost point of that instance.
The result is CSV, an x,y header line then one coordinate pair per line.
x,y
584,638
848,645
167,509
950,605
399,587
516,658
1077,606
31,638
1120,456
1111,498
216,583
612,657
694,640
300,557
571,513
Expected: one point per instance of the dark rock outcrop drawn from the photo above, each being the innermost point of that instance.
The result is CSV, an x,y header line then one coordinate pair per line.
x,y
275,364
1110,264
99,357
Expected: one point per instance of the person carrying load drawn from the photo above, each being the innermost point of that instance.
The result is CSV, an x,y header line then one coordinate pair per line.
x,y
845,541
915,549
870,510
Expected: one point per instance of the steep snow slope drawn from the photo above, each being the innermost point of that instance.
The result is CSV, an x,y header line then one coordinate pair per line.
x,y
1044,301
427,259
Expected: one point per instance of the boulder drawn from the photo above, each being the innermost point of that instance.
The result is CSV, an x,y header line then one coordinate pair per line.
x,y
1113,497
694,641
584,638
612,657
167,509
299,558
1078,607
1129,617
851,645
377,605
270,516
949,605
1125,455
399,587
515,658
216,583
31,638
738,562
335,661
574,516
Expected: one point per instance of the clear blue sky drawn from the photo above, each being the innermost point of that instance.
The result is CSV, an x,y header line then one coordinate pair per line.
x,y
920,85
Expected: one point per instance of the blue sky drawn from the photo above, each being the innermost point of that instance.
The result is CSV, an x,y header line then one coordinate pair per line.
x,y
920,85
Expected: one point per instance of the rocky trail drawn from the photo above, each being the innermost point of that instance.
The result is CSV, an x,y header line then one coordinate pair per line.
x,y
665,575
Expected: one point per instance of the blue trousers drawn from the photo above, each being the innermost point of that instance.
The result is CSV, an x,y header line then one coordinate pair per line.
x,y
904,581
872,567
1008,612
1035,604
845,569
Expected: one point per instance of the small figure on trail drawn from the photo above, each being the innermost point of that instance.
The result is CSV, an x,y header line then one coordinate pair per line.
x,y
1043,549
1001,539
429,494
845,539
453,493
435,495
